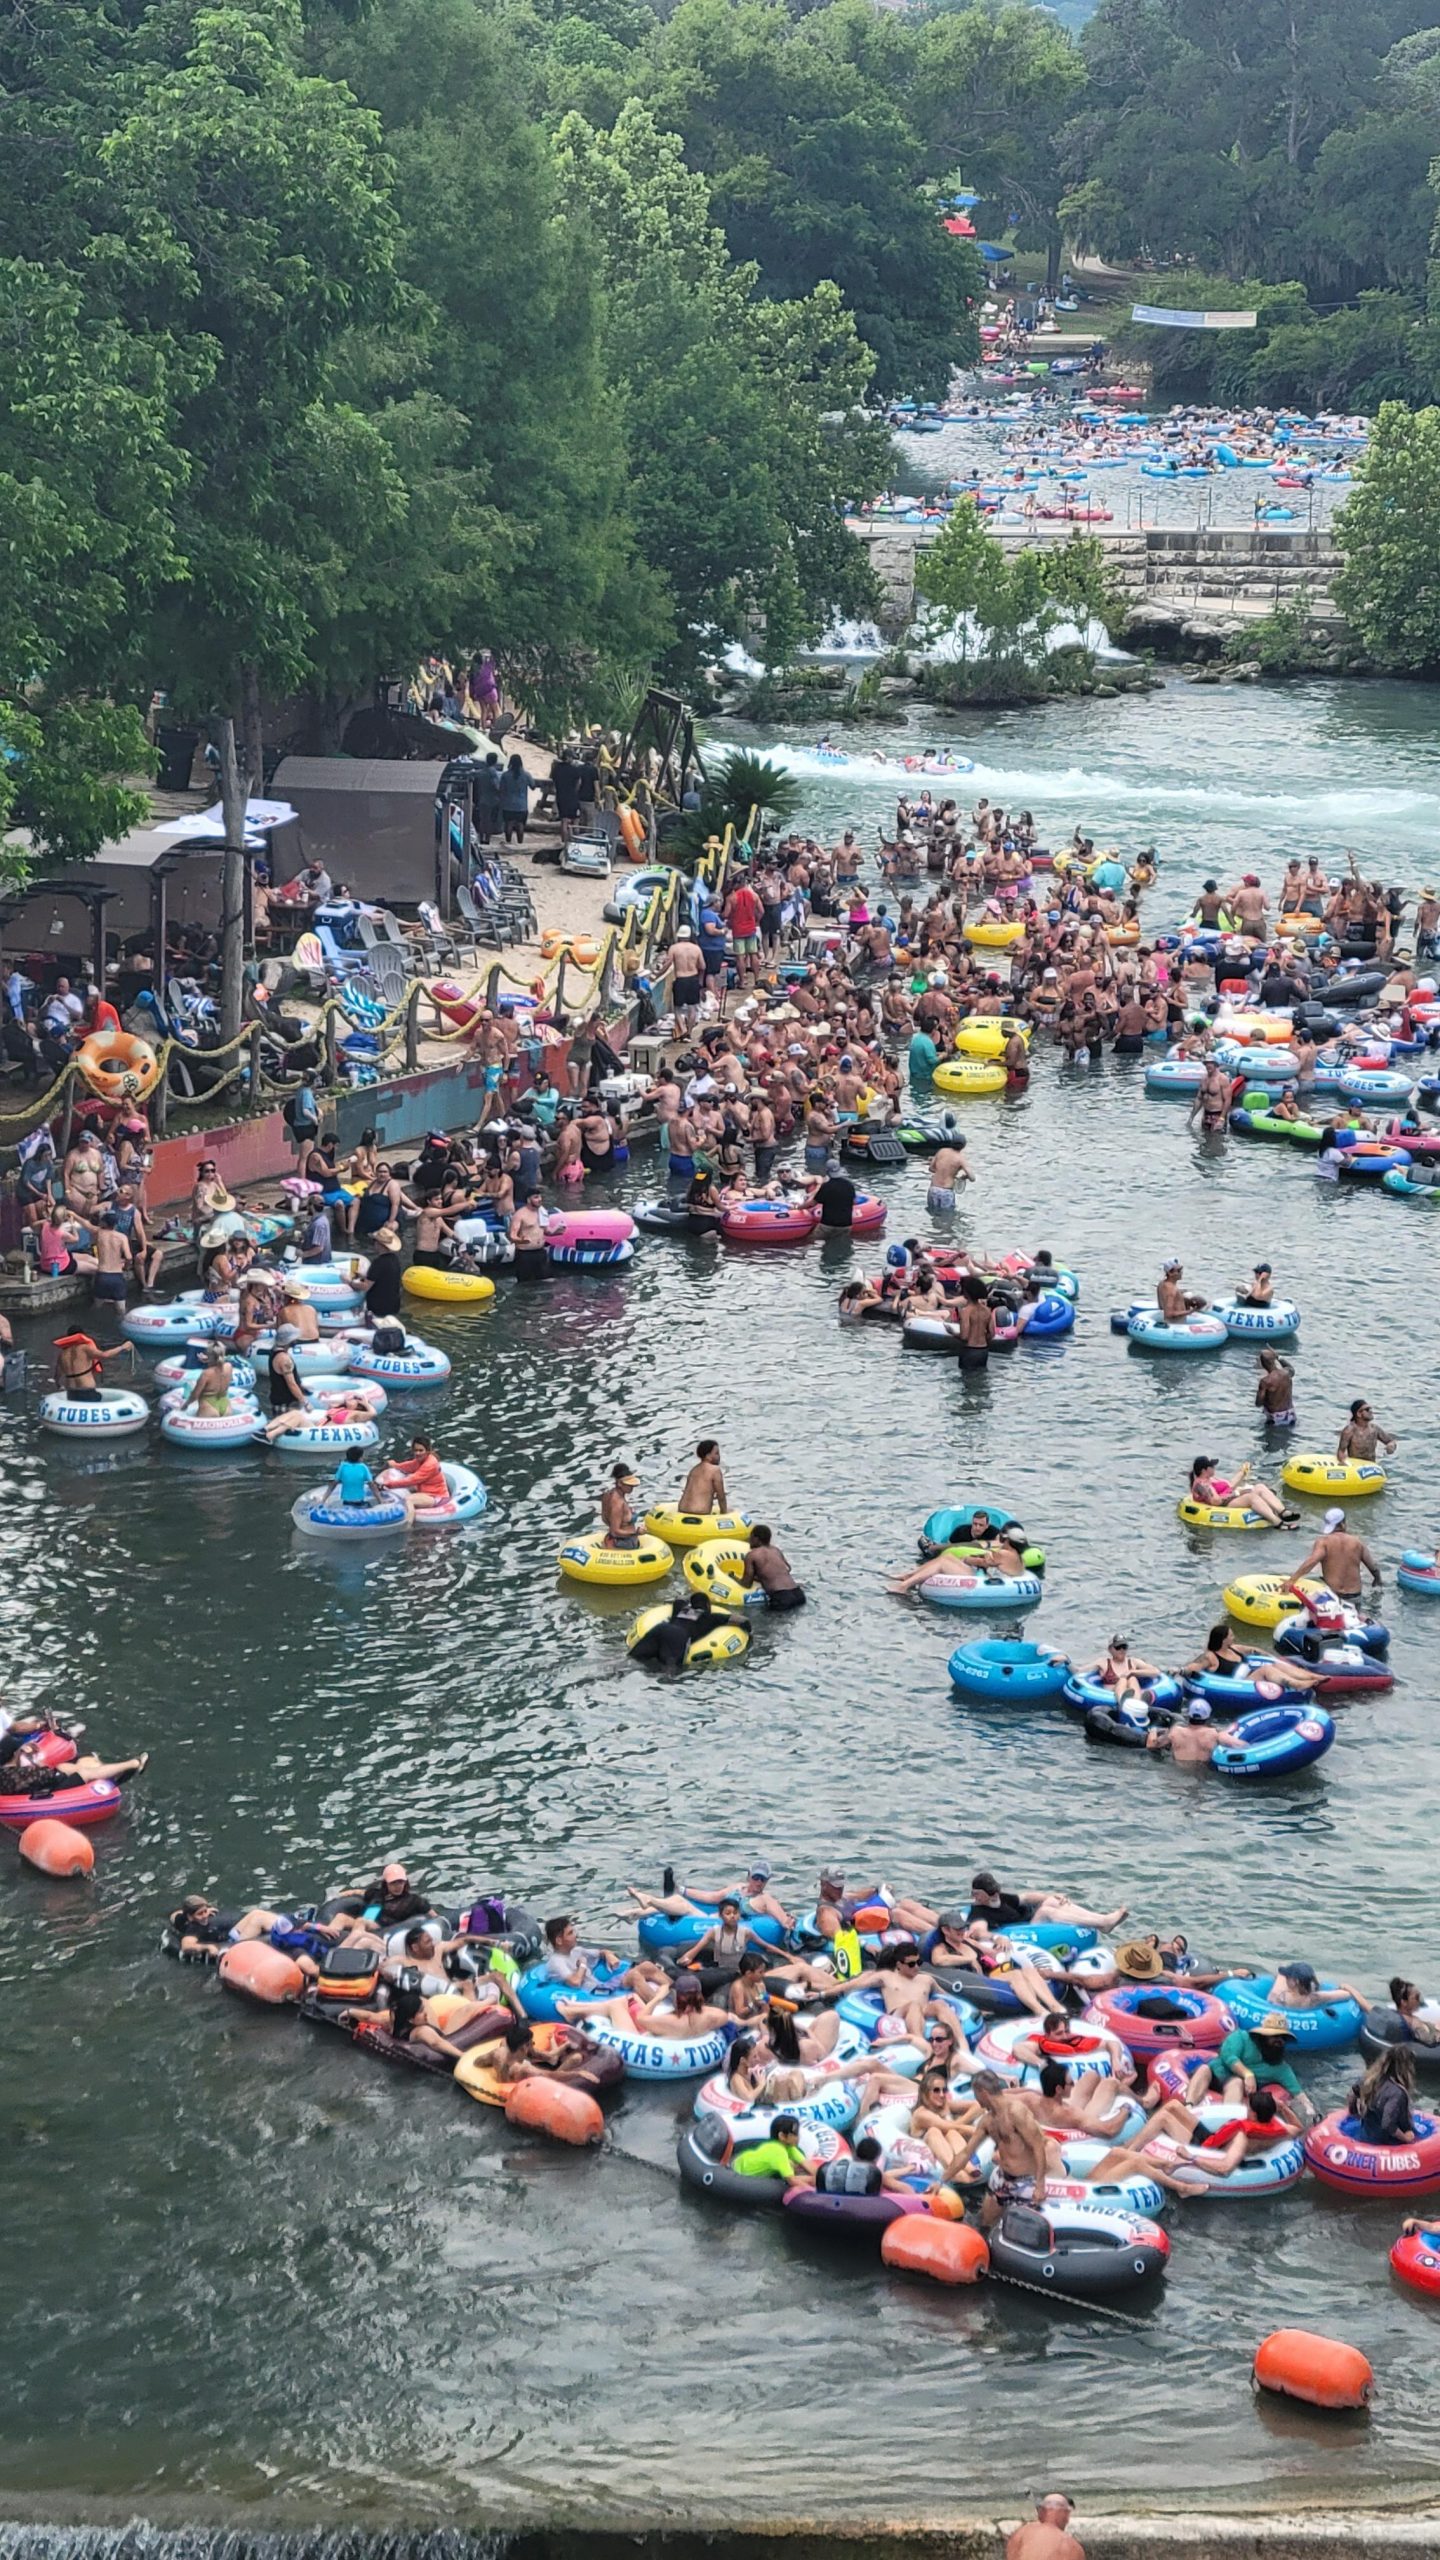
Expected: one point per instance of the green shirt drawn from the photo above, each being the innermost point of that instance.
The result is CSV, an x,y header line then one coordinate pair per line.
x,y
1240,2052
769,2160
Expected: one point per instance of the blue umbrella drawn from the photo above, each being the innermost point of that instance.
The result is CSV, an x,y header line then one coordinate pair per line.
x,y
995,257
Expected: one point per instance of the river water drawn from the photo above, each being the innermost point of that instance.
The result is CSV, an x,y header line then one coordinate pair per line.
x,y
249,2271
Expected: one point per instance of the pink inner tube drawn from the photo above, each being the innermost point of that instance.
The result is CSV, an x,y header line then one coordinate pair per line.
x,y
1203,2029
591,1226
869,1215
81,1807
769,1222
1338,2154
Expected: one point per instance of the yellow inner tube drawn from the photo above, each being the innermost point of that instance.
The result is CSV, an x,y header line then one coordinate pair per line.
x,y
590,1560
475,2071
985,1035
993,937
719,1644
1122,937
1305,1473
449,1288
1224,1515
969,1075
1263,1599
695,1528
706,1569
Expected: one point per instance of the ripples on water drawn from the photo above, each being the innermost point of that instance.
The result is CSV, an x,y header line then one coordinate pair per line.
x,y
262,2267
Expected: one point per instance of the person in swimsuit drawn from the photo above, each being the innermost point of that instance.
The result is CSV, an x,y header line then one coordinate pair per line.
x,y
78,1366
675,2014
113,1261
1021,2159
764,1568
704,1486
948,1169
621,1527
1275,1392
1362,1437
1338,1557
1219,1493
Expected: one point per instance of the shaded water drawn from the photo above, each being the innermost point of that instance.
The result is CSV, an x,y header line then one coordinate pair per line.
x,y
246,2265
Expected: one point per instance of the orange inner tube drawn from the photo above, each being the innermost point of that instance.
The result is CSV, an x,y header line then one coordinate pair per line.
x,y
117,1066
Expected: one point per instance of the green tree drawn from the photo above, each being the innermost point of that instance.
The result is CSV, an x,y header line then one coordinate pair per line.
x,y
65,771
818,174
248,225
1077,575
1389,534
991,89
742,416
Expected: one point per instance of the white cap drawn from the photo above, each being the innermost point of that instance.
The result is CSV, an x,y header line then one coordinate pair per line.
x,y
1334,1518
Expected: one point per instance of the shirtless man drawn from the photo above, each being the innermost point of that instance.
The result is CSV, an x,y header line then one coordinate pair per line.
x,y
1049,2537
1362,1436
1337,1559
704,1487
1275,1391
113,1261
1021,2155
1175,1303
1078,2110
1191,1743
948,1169
1211,1106
621,1527
1247,903
764,1568
568,1166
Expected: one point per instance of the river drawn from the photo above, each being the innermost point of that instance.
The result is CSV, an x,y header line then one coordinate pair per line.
x,y
251,2274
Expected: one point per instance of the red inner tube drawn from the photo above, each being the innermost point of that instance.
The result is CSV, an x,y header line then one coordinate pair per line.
x,y
81,1807
1203,2029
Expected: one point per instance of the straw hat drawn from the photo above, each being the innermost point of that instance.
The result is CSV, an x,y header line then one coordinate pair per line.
x,y
1138,1963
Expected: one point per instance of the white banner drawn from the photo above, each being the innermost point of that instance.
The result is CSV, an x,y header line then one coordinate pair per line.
x,y
1155,316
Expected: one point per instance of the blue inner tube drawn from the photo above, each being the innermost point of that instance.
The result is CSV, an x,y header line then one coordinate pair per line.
x,y
941,1526
1084,1693
1054,1315
1324,2029
1004,1667
657,1932
1273,1741
539,1996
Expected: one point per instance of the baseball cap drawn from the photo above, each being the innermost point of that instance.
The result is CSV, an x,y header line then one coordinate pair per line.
x,y
759,1871
1198,1711
1304,1974
1334,1517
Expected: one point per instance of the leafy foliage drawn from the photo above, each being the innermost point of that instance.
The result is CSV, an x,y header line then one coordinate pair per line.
x,y
1389,532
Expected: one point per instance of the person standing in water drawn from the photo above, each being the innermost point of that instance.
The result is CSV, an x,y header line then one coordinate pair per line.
x,y
1275,1392
704,1487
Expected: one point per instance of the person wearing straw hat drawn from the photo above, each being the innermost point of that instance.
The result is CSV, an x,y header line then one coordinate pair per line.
x,y
299,1313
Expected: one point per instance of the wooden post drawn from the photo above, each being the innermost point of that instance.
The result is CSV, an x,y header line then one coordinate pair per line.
x,y
252,1076
331,1069
412,1029
232,882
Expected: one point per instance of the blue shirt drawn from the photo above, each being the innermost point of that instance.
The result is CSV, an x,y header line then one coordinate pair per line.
x,y
354,1479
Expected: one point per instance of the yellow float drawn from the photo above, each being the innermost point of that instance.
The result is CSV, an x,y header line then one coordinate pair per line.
x,y
993,937
1272,1030
695,1528
475,2071
983,1035
590,1560
1221,1515
1263,1599
1122,937
1327,1477
720,1644
968,1075
582,948
707,1569
447,1288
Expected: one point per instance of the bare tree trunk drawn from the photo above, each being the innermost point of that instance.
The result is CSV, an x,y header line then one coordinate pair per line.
x,y
254,730
232,882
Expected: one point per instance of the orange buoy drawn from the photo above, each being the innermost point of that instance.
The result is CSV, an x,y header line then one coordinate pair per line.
x,y
57,1849
947,2204
951,2252
1305,2366
545,2105
262,1973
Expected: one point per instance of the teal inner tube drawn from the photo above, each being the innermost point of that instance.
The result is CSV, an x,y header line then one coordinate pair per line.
x,y
1008,1669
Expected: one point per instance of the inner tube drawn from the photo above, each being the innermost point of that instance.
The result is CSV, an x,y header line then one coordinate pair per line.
x,y
81,1807
1325,2029
1339,2156
1089,2251
1086,1694
1193,2020
1385,2031
660,2057
1005,1668
111,1416
1107,1724
1273,1742
1202,1332
320,1515
707,2149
